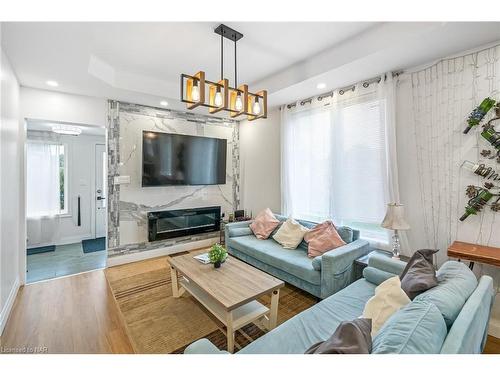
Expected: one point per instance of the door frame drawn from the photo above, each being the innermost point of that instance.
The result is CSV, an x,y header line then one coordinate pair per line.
x,y
94,195
23,234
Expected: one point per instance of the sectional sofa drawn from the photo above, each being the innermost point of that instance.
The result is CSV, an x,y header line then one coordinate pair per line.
x,y
451,318
321,276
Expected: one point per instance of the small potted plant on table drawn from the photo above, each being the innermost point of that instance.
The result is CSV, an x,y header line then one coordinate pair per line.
x,y
217,255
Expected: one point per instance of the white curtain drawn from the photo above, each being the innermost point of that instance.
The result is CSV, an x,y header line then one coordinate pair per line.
x,y
42,179
339,158
443,95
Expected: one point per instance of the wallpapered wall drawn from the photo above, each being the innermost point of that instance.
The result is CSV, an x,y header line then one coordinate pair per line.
x,y
130,203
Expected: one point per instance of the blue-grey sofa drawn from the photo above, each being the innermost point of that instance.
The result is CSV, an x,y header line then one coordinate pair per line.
x,y
321,276
451,318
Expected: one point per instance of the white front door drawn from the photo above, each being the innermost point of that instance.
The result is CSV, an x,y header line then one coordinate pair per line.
x,y
100,190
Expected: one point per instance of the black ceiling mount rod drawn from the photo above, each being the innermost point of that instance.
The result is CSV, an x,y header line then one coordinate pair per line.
x,y
231,34
235,70
221,57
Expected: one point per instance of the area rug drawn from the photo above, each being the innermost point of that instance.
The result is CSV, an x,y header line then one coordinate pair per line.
x,y
41,249
93,245
159,323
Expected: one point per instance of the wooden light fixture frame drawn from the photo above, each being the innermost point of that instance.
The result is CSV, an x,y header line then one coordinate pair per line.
x,y
229,93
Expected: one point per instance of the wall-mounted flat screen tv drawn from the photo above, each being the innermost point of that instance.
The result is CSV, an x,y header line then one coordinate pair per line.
x,y
176,159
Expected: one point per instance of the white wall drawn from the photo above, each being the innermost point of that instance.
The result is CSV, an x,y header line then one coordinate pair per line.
x,y
61,107
10,198
80,182
260,163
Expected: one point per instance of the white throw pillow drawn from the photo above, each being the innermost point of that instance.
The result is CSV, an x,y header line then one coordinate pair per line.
x,y
290,234
388,298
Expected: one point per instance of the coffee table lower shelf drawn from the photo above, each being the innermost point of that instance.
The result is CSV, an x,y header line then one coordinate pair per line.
x,y
234,319
242,315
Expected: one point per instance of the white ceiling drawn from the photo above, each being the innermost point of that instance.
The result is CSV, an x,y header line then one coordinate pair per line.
x,y
142,62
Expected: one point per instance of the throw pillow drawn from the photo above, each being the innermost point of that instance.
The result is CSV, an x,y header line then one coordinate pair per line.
x,y
322,238
349,338
290,234
419,274
264,224
388,298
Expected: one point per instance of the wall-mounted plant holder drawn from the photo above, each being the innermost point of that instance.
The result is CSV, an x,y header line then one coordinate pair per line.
x,y
479,197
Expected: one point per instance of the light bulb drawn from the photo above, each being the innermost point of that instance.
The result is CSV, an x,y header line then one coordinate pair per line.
x,y
238,105
256,107
195,92
218,98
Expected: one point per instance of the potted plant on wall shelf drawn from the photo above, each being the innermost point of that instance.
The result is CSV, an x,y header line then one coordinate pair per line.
x,y
217,255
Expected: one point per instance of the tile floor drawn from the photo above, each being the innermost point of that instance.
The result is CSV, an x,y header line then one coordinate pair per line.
x,y
65,260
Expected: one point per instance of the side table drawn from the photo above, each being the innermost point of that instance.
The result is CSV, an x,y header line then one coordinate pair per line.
x,y
475,253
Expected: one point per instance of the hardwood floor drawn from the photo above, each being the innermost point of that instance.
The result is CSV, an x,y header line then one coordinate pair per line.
x,y
492,345
76,314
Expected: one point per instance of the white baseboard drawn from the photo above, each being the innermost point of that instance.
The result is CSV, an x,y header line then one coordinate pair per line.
x,y
5,313
129,258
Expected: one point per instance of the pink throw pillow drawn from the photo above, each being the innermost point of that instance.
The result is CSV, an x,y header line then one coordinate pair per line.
x,y
264,224
322,238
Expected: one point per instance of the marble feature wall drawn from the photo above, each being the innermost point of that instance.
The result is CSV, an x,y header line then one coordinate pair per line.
x,y
130,203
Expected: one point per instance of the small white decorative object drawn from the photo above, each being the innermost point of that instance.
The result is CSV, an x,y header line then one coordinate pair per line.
x,y
394,219
202,258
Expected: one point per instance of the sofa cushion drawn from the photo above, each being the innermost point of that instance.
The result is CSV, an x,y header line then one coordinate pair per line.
x,y
314,324
239,231
376,276
456,282
346,233
419,274
264,224
322,238
388,299
290,234
416,328
294,262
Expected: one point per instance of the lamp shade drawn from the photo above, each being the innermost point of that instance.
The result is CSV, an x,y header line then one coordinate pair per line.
x,y
394,217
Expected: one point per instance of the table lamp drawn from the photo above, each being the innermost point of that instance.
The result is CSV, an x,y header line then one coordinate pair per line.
x,y
394,219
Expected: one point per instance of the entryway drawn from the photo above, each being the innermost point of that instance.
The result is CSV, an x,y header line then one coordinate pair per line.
x,y
66,181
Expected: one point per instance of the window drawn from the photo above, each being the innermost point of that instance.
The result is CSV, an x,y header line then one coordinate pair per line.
x,y
46,178
335,165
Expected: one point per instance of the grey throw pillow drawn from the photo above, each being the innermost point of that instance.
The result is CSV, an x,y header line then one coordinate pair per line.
x,y
350,337
419,274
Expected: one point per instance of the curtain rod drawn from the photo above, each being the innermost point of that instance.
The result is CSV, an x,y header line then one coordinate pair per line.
x,y
342,90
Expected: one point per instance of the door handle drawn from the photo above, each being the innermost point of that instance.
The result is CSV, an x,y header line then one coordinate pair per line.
x,y
100,198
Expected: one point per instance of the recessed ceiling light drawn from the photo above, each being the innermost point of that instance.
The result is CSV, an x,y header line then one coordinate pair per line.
x,y
66,129
321,85
52,83
164,103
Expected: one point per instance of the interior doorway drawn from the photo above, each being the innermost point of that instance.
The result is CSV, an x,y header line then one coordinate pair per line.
x,y
66,180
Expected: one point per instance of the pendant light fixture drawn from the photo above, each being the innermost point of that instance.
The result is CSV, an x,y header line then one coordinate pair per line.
x,y
237,99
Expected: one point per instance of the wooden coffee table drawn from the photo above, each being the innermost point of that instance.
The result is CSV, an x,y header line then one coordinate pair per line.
x,y
230,292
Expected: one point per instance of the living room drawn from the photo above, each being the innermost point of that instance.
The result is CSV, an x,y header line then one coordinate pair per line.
x,y
274,186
